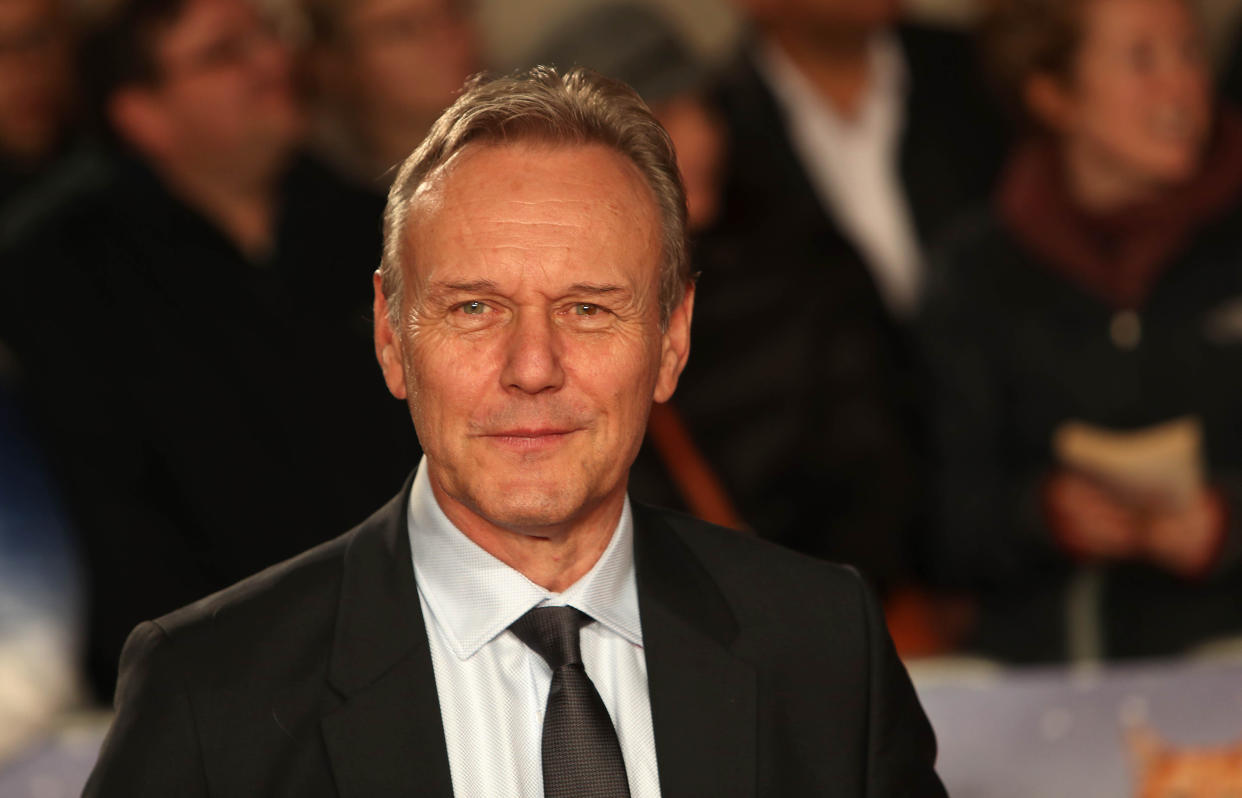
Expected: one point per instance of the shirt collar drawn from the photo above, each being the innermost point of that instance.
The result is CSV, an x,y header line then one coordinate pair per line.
x,y
473,596
797,96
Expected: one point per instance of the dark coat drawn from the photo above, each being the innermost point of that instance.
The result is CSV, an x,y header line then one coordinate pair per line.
x,y
799,391
1013,350
769,674
207,415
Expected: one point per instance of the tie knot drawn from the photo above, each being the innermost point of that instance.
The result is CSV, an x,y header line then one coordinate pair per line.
x,y
552,632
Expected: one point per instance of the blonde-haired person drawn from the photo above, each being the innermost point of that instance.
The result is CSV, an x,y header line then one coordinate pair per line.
x,y
1101,287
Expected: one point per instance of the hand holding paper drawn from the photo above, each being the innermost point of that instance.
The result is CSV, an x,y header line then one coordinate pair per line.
x,y
1136,493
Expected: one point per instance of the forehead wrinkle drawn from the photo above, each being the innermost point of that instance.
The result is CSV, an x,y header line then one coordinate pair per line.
x,y
443,287
553,211
482,220
439,190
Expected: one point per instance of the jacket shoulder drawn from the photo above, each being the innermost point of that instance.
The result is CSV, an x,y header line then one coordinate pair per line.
x,y
757,575
267,626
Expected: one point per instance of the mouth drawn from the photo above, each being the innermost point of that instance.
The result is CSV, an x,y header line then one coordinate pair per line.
x,y
530,440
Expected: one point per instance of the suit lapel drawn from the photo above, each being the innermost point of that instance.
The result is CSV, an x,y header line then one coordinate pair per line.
x,y
386,738
703,699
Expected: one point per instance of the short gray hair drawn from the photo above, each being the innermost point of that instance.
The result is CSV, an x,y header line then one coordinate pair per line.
x,y
574,108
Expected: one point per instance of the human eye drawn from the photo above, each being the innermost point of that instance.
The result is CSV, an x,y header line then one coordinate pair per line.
x,y
473,314
588,315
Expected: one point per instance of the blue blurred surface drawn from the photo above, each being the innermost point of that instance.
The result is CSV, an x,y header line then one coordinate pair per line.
x,y
39,578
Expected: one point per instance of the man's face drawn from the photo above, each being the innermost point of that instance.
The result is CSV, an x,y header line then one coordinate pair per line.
x,y
224,95
407,58
531,346
34,77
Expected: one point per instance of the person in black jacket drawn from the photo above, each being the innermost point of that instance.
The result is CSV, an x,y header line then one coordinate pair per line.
x,y
853,140
1097,299
159,295
512,624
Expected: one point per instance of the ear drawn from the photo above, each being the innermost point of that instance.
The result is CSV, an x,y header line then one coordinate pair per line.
x,y
1047,100
675,347
387,342
136,115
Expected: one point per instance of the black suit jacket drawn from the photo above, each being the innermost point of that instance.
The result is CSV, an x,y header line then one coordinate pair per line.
x,y
801,392
769,674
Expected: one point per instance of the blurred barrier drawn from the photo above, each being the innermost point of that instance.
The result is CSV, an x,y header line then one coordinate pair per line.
x,y
1134,731
58,765
1153,729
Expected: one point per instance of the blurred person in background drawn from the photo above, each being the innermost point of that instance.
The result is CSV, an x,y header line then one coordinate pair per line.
x,y
36,90
882,127
853,139
162,297
381,73
1084,339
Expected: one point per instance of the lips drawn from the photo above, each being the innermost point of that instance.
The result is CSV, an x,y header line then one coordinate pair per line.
x,y
530,440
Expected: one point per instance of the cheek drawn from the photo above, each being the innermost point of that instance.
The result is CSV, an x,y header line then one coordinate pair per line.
x,y
1100,97
621,378
1111,114
450,379
219,110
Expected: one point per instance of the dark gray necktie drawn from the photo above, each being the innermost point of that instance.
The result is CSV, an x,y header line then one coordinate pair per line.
x,y
581,754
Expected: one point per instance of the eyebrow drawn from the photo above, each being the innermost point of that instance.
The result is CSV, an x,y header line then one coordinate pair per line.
x,y
596,289
471,287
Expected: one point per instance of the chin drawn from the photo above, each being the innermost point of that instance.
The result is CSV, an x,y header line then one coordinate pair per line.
x,y
529,508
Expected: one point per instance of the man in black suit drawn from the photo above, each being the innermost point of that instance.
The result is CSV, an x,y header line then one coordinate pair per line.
x,y
854,142
510,624
184,256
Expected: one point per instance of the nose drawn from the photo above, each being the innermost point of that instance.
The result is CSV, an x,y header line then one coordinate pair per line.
x,y
532,357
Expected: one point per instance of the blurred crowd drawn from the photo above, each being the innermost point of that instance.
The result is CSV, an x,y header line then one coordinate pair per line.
x,y
969,310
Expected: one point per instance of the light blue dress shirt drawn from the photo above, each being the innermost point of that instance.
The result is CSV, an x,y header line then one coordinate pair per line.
x,y
493,689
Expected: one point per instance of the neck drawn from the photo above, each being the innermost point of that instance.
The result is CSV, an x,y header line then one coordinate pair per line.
x,y
243,207
1100,186
837,66
552,556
